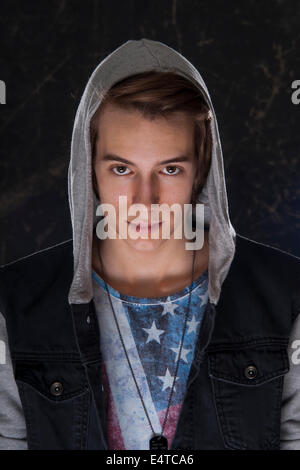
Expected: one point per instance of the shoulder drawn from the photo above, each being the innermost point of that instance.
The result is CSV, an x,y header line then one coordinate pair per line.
x,y
268,271
53,251
256,255
53,254
31,275
247,248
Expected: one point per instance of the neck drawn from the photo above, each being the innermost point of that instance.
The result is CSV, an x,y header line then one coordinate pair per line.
x,y
168,265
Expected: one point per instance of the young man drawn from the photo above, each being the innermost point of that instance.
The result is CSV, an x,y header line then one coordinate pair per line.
x,y
122,343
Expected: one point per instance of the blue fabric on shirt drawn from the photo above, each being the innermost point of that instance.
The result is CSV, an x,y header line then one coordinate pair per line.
x,y
152,331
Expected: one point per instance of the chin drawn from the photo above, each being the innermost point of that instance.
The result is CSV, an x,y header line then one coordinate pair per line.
x,y
145,245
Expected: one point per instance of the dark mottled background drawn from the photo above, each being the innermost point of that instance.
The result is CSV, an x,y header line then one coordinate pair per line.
x,y
248,54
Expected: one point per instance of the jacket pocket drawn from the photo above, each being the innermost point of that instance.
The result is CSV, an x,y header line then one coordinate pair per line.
x,y
247,386
55,397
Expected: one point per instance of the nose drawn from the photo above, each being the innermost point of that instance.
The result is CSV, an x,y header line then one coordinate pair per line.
x,y
146,192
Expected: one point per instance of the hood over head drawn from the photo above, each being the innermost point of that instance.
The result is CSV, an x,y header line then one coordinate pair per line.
x,y
132,57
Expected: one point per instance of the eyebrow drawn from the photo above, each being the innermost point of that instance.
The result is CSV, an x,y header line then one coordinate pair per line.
x,y
113,157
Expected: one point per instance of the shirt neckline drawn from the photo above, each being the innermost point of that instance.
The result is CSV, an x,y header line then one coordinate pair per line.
x,y
200,281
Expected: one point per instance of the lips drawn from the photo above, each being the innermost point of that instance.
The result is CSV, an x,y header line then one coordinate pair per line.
x,y
145,227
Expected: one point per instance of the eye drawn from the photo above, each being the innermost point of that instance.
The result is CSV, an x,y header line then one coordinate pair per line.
x,y
122,167
172,172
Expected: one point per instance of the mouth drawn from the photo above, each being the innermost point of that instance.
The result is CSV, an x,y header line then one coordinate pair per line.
x,y
145,227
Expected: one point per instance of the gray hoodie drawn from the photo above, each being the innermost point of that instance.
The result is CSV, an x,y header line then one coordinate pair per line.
x,y
133,57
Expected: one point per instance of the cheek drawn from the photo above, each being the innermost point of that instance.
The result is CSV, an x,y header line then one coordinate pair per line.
x,y
110,188
180,192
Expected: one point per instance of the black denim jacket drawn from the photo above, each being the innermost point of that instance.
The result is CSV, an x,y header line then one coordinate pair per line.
x,y
234,389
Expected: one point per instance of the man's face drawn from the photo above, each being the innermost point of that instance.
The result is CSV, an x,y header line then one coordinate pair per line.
x,y
136,158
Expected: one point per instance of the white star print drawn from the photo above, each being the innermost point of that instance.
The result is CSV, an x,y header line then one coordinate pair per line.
x,y
203,298
167,380
192,325
183,355
169,307
153,333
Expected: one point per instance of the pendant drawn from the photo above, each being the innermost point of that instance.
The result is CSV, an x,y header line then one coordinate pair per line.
x,y
158,442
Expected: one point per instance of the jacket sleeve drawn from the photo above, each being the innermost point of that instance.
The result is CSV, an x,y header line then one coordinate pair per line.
x,y
290,410
12,421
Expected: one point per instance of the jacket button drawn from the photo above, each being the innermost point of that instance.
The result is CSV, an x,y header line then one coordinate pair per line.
x,y
250,372
56,389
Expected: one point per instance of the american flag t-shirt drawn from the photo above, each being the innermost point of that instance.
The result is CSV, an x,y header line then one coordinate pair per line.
x,y
151,329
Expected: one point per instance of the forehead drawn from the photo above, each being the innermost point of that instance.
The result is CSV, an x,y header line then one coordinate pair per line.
x,y
121,130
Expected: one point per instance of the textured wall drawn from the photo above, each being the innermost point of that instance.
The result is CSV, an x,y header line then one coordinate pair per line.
x,y
248,56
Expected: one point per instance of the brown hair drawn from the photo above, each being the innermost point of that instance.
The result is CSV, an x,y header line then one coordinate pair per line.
x,y
159,94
